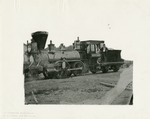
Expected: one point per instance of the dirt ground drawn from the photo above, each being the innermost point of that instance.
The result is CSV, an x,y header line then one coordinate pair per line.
x,y
84,89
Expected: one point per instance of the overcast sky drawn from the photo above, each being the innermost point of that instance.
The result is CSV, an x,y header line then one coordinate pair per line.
x,y
120,23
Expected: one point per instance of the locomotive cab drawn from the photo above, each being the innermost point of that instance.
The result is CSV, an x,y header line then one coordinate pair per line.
x,y
93,48
92,53
94,56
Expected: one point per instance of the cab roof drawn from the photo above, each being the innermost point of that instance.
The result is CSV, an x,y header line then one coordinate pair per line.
x,y
92,41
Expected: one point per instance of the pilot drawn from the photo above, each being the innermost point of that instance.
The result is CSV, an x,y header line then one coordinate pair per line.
x,y
104,50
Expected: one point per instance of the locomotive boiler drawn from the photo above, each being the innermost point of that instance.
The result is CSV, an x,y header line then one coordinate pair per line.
x,y
85,56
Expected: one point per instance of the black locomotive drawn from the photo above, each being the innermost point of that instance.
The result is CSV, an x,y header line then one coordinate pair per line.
x,y
84,57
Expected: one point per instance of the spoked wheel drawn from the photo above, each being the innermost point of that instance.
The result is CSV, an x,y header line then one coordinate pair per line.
x,y
115,68
61,73
78,65
59,69
104,69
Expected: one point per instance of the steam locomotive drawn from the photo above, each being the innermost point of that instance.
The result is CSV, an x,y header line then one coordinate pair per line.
x,y
84,57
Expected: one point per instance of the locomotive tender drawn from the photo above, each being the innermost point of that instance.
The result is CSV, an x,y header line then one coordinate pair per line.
x,y
84,57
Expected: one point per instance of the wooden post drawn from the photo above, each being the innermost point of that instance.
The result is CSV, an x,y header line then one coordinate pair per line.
x,y
34,97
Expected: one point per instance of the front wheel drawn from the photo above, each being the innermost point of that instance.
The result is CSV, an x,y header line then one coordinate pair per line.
x,y
115,68
104,69
62,73
78,65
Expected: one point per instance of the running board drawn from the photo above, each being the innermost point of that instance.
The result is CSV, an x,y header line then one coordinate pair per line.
x,y
75,69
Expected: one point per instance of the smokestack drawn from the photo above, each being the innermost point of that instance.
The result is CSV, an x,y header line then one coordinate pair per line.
x,y
40,37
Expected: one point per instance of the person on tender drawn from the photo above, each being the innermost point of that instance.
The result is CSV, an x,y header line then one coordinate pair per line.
x,y
104,50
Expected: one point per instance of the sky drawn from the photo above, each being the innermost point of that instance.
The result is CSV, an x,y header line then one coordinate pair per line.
x,y
120,23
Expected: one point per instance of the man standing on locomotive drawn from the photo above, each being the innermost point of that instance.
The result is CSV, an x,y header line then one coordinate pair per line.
x,y
104,50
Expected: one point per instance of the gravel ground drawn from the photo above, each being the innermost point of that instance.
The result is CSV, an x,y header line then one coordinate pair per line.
x,y
76,90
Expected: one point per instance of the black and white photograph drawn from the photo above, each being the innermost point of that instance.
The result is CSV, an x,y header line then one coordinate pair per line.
x,y
85,72
80,56
74,59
